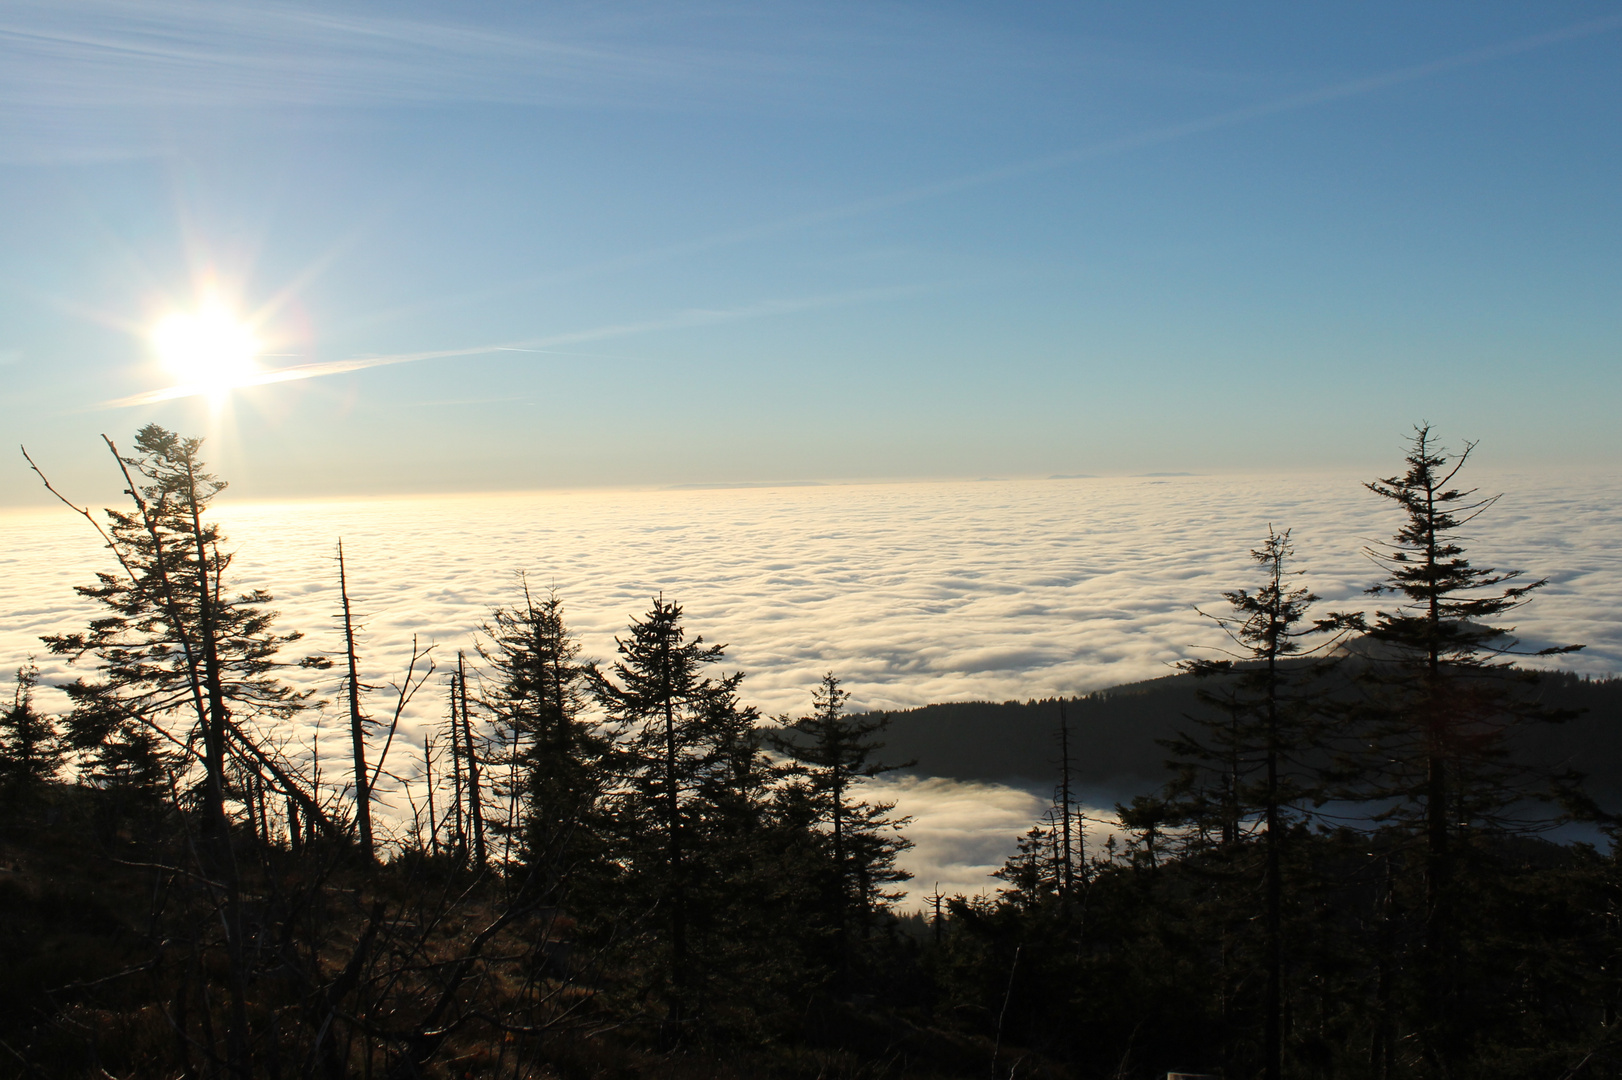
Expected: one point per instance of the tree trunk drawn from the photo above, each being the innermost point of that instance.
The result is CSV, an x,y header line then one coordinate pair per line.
x,y
357,722
1067,862
475,806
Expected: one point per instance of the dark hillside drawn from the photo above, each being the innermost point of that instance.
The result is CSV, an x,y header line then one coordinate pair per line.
x,y
1113,735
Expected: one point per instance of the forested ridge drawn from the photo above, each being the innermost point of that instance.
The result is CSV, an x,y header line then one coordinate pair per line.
x,y
1013,741
1347,844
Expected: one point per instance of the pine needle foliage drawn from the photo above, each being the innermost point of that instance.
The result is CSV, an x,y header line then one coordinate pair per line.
x,y
180,661
1252,774
30,746
558,761
658,691
833,751
1446,707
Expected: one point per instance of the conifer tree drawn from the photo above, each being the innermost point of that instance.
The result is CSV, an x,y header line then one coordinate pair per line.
x,y
1261,752
1072,836
1034,873
749,871
558,760
1448,705
833,752
470,751
1148,819
30,746
1050,857
658,690
181,658
178,654
459,832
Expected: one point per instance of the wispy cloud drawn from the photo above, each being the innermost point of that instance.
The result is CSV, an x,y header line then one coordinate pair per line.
x,y
95,53
114,79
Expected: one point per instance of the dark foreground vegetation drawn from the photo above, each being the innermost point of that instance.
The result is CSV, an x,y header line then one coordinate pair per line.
x,y
1355,868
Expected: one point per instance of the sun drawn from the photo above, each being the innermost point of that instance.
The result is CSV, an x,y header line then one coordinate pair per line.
x,y
207,350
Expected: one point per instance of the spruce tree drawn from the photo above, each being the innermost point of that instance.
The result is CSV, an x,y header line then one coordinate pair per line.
x,y
833,752
557,759
1256,764
1034,873
1447,707
471,755
180,658
1072,835
659,691
748,906
177,654
30,746
359,722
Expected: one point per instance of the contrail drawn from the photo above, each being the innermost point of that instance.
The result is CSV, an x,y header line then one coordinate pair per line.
x,y
1154,137
694,317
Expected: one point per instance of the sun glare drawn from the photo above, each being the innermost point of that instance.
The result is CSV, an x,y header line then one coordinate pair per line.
x,y
208,349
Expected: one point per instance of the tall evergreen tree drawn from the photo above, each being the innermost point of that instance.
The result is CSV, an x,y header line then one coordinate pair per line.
x,y
470,760
557,759
1259,756
30,746
177,653
1448,705
181,658
1034,874
749,873
833,752
1072,834
658,690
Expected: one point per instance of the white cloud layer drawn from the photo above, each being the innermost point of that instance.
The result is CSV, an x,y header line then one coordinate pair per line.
x,y
912,593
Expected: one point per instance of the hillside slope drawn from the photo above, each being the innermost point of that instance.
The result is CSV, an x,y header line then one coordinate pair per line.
x,y
1113,736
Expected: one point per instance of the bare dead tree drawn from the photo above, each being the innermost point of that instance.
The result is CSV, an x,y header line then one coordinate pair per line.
x,y
357,719
475,803
404,691
458,833
1067,857
428,782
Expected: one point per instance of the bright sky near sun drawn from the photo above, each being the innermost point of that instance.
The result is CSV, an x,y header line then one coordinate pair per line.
x,y
404,247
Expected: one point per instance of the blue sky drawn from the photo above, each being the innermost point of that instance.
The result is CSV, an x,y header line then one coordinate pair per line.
x,y
682,243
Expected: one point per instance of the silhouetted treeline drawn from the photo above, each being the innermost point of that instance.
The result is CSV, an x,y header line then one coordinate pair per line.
x,y
1012,742
1351,865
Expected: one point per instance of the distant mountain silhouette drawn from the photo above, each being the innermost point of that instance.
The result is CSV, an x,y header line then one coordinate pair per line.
x,y
1113,733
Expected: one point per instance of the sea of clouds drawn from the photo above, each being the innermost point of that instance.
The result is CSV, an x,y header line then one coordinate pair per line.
x,y
911,592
